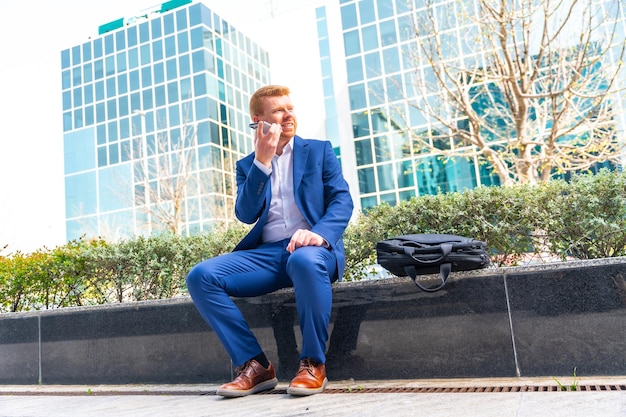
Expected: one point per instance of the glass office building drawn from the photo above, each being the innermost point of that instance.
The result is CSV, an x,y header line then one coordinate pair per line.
x,y
154,118
374,78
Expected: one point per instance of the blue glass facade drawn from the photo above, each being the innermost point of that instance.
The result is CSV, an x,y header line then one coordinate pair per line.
x,y
151,103
380,59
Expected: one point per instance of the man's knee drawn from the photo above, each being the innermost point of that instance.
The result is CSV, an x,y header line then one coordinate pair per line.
x,y
307,260
198,277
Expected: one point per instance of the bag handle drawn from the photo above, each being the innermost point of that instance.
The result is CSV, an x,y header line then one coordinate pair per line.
x,y
444,271
446,248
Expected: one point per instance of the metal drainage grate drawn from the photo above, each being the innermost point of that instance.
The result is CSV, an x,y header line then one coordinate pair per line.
x,y
523,388
348,390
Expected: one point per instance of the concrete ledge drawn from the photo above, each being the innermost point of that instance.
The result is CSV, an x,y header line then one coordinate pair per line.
x,y
536,321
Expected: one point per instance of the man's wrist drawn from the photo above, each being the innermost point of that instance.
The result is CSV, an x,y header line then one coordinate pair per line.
x,y
264,168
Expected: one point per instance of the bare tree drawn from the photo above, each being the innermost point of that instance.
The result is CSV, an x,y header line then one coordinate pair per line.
x,y
161,180
528,87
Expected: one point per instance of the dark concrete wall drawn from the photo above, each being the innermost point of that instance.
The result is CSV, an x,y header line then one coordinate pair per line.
x,y
527,321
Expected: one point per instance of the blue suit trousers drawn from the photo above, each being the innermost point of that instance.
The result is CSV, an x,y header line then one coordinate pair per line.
x,y
253,272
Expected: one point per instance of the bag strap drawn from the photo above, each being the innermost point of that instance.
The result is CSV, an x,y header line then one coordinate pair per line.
x,y
446,248
444,271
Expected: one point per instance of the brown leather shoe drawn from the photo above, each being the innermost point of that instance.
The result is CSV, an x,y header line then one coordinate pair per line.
x,y
251,378
310,379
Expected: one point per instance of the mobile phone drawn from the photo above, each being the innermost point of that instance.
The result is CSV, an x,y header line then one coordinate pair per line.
x,y
266,126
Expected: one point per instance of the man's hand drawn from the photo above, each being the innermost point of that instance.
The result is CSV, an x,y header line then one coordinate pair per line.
x,y
304,237
265,144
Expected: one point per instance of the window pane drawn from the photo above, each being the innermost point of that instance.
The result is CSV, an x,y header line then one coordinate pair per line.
x,y
78,97
348,16
144,32
76,55
357,96
67,100
98,68
170,46
391,59
406,174
122,84
185,68
88,91
363,150
121,61
385,8
372,65
172,92
172,72
88,73
389,199
147,100
120,40
109,46
101,134
368,202
66,79
181,19
97,48
159,73
76,76
159,96
385,178
135,102
376,95
100,112
355,69
131,34
156,28
123,105
351,42
124,127
99,90
202,110
360,125
168,24
366,11
183,43
367,182
370,38
78,118
174,115
89,116
111,87
133,58
157,50
109,64
185,88
146,77
145,54
112,132
388,32
65,58
112,109
114,155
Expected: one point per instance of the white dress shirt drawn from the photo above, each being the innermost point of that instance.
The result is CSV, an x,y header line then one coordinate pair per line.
x,y
284,217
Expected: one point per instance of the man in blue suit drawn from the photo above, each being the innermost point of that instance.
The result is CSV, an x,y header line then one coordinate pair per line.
x,y
294,190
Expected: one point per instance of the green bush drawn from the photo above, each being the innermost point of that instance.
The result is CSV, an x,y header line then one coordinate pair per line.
x,y
580,219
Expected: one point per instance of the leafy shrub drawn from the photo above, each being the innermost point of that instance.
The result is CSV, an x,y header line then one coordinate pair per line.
x,y
582,219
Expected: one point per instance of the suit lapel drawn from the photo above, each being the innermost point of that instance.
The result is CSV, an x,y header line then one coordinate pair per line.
x,y
300,155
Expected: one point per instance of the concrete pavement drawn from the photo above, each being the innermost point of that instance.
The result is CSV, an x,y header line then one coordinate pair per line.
x,y
519,397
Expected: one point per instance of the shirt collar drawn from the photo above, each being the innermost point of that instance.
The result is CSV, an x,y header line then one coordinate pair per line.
x,y
288,148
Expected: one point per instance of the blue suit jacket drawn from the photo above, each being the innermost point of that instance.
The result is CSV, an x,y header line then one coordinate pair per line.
x,y
321,193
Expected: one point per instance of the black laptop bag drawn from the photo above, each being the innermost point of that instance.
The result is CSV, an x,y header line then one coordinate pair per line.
x,y
422,254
